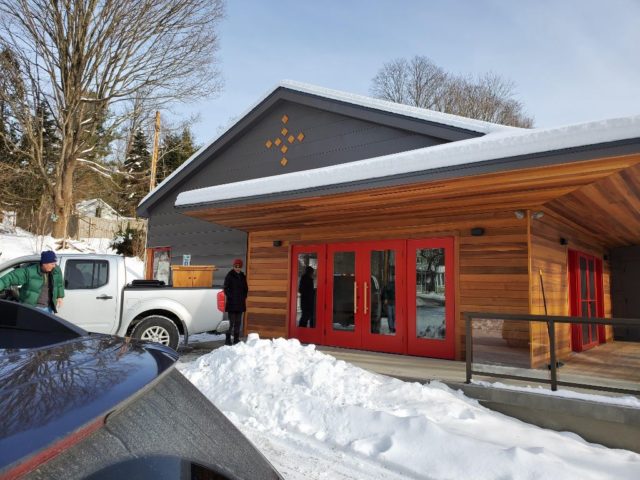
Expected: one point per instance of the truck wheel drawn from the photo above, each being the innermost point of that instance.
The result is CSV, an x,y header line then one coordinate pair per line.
x,y
157,329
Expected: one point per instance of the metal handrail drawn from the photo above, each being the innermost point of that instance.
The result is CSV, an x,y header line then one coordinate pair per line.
x,y
550,320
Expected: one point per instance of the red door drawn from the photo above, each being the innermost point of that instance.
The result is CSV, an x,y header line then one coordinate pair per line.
x,y
386,296
585,283
307,293
365,296
343,312
430,298
383,280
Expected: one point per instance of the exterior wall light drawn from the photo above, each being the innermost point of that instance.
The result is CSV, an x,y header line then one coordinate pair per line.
x,y
477,231
519,214
277,243
537,215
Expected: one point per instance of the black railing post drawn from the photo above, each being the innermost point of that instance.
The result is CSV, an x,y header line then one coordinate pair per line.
x,y
552,353
469,346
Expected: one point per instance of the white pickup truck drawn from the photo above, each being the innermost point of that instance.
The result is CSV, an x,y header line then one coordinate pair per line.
x,y
100,298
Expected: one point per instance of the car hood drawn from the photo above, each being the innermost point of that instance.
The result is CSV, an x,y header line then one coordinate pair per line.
x,y
50,393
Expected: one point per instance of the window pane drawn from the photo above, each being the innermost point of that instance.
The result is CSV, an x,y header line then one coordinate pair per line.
x,y
344,273
592,281
86,274
430,293
382,292
307,288
583,278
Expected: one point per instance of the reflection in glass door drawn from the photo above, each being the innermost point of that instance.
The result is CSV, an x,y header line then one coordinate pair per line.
x,y
344,291
430,298
307,292
383,273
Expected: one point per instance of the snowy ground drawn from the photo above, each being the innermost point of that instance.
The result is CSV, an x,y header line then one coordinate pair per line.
x,y
15,242
315,417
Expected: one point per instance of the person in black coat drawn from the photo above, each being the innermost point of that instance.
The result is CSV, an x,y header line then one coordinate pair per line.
x,y
307,297
235,291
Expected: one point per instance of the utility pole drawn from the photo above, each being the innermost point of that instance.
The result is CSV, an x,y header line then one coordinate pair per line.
x,y
154,154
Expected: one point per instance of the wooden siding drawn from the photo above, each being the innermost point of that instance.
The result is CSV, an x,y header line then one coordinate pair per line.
x,y
486,266
435,201
551,258
609,208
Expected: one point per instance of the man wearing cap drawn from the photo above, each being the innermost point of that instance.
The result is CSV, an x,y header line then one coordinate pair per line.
x,y
41,285
235,291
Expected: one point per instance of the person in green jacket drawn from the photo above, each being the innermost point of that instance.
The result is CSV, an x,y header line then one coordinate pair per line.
x,y
41,286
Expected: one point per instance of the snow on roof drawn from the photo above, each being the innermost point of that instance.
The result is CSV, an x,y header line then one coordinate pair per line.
x,y
495,145
360,100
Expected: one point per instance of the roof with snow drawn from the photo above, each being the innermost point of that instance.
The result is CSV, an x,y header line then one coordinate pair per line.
x,y
450,127
500,149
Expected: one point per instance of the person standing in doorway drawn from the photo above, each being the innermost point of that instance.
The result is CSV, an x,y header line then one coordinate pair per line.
x,y
41,285
307,297
235,291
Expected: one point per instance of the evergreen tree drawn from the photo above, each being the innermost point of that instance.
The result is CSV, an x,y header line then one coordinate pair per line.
x,y
175,150
137,166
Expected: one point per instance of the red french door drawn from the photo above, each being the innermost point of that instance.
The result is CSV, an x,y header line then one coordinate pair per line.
x,y
585,296
307,293
365,288
430,298
386,296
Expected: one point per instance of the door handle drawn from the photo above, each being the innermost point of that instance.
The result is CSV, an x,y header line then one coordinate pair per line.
x,y
355,297
104,297
366,304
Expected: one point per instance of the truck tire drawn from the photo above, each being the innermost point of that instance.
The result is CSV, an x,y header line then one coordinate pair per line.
x,y
159,329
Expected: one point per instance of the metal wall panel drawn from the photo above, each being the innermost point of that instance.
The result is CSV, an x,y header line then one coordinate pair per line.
x,y
329,139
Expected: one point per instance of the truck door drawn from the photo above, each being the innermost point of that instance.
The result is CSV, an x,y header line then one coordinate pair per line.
x,y
91,294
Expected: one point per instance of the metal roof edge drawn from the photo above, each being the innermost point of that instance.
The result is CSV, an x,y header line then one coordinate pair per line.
x,y
570,155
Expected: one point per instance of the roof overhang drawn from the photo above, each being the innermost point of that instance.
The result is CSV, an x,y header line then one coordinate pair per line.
x,y
420,120
565,190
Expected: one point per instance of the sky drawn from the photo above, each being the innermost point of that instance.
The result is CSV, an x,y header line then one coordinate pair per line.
x,y
571,61
316,417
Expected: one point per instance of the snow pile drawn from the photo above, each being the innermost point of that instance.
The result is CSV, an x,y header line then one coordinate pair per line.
x,y
317,417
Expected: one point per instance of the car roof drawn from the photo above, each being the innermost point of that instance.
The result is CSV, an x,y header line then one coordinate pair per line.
x,y
36,258
50,390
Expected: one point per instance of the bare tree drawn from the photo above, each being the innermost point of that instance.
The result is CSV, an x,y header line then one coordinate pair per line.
x,y
86,60
421,83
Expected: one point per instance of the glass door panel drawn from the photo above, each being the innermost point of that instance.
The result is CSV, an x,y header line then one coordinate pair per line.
x,y
344,291
307,291
430,298
384,296
430,293
344,296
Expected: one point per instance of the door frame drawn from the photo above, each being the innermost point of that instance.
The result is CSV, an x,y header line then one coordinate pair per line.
x,y
575,299
434,348
361,337
313,334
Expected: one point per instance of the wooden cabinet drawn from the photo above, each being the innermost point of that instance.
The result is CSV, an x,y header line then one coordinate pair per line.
x,y
193,275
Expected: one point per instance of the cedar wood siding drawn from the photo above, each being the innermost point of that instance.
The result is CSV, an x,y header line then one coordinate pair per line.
x,y
329,139
548,255
491,270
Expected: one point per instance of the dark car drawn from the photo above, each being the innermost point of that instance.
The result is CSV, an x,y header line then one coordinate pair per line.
x,y
77,405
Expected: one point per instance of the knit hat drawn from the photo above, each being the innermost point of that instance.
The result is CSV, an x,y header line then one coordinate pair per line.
x,y
237,261
48,257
